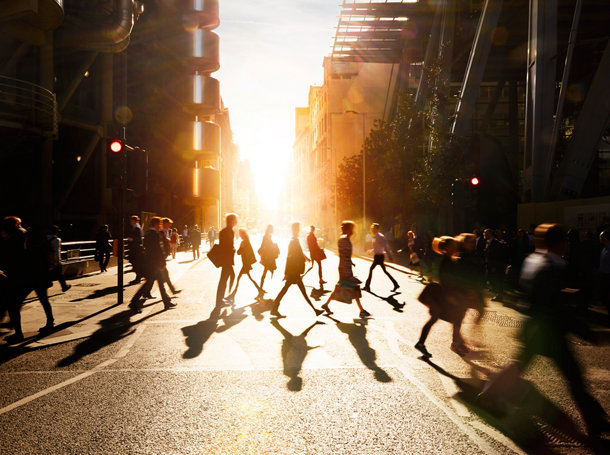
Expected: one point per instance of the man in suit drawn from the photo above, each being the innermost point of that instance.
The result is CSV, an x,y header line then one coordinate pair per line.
x,y
195,239
295,267
154,264
227,253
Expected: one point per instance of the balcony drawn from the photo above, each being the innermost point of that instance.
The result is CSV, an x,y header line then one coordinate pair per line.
x,y
27,106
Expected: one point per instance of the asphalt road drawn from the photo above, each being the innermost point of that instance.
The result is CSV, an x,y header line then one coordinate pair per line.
x,y
189,381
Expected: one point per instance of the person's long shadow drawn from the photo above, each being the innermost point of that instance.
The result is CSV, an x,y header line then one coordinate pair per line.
x,y
258,308
356,333
102,292
391,300
111,329
318,293
525,416
294,351
197,335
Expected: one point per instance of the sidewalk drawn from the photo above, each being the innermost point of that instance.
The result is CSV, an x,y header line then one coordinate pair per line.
x,y
92,298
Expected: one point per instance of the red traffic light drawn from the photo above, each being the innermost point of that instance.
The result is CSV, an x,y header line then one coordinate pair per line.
x,y
474,181
116,145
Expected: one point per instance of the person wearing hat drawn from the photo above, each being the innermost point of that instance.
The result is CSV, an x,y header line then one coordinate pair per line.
x,y
55,270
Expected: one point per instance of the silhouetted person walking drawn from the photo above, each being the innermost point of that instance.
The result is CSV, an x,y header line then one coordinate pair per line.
x,y
226,258
102,247
154,264
380,249
135,245
55,261
38,254
165,236
13,272
269,252
348,287
295,267
195,238
248,259
315,252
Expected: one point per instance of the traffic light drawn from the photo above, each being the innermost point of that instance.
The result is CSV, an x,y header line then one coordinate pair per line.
x,y
114,160
474,181
116,146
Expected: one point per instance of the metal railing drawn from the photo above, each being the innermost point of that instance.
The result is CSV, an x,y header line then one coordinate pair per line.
x,y
28,105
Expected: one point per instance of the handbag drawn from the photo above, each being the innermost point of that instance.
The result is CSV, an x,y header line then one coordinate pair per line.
x,y
215,254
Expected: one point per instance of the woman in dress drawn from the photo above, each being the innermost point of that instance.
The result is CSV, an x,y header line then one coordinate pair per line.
x,y
269,252
247,259
348,287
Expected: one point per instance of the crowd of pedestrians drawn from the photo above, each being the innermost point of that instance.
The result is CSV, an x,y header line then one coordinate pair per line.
x,y
537,265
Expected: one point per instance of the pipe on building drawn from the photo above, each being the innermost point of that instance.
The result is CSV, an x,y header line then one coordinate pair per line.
x,y
113,37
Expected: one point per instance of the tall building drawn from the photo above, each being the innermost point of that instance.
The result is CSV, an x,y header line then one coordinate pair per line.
x,y
333,126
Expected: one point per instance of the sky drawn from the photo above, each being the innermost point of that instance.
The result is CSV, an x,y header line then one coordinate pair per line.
x,y
271,51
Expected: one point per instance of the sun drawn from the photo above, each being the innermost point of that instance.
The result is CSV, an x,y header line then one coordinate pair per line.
x,y
270,180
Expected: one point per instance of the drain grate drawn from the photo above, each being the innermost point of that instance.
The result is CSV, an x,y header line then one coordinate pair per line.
x,y
557,437
500,320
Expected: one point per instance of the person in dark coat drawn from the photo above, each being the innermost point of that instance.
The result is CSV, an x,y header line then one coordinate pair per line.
x,y
316,253
136,248
295,267
154,263
102,247
195,238
13,272
248,259
56,270
545,332
269,252
38,253
165,233
226,258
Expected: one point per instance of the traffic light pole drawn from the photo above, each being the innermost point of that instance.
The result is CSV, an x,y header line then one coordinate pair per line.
x,y
121,244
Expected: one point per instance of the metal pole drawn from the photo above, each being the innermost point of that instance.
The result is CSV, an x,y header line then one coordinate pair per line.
x,y
120,245
363,172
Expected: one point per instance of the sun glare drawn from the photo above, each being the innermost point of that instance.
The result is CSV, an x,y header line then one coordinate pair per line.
x,y
269,180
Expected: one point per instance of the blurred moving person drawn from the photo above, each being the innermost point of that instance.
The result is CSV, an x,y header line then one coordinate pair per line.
x,y
348,287
416,249
295,267
174,241
165,235
227,253
445,298
269,252
381,247
545,332
315,252
211,236
248,259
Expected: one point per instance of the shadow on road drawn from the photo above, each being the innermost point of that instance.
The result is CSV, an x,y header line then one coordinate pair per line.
x,y
111,330
317,294
391,300
258,308
356,333
102,293
525,416
294,351
197,335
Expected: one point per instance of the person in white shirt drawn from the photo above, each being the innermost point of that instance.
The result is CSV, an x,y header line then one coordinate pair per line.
x,y
380,248
55,262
